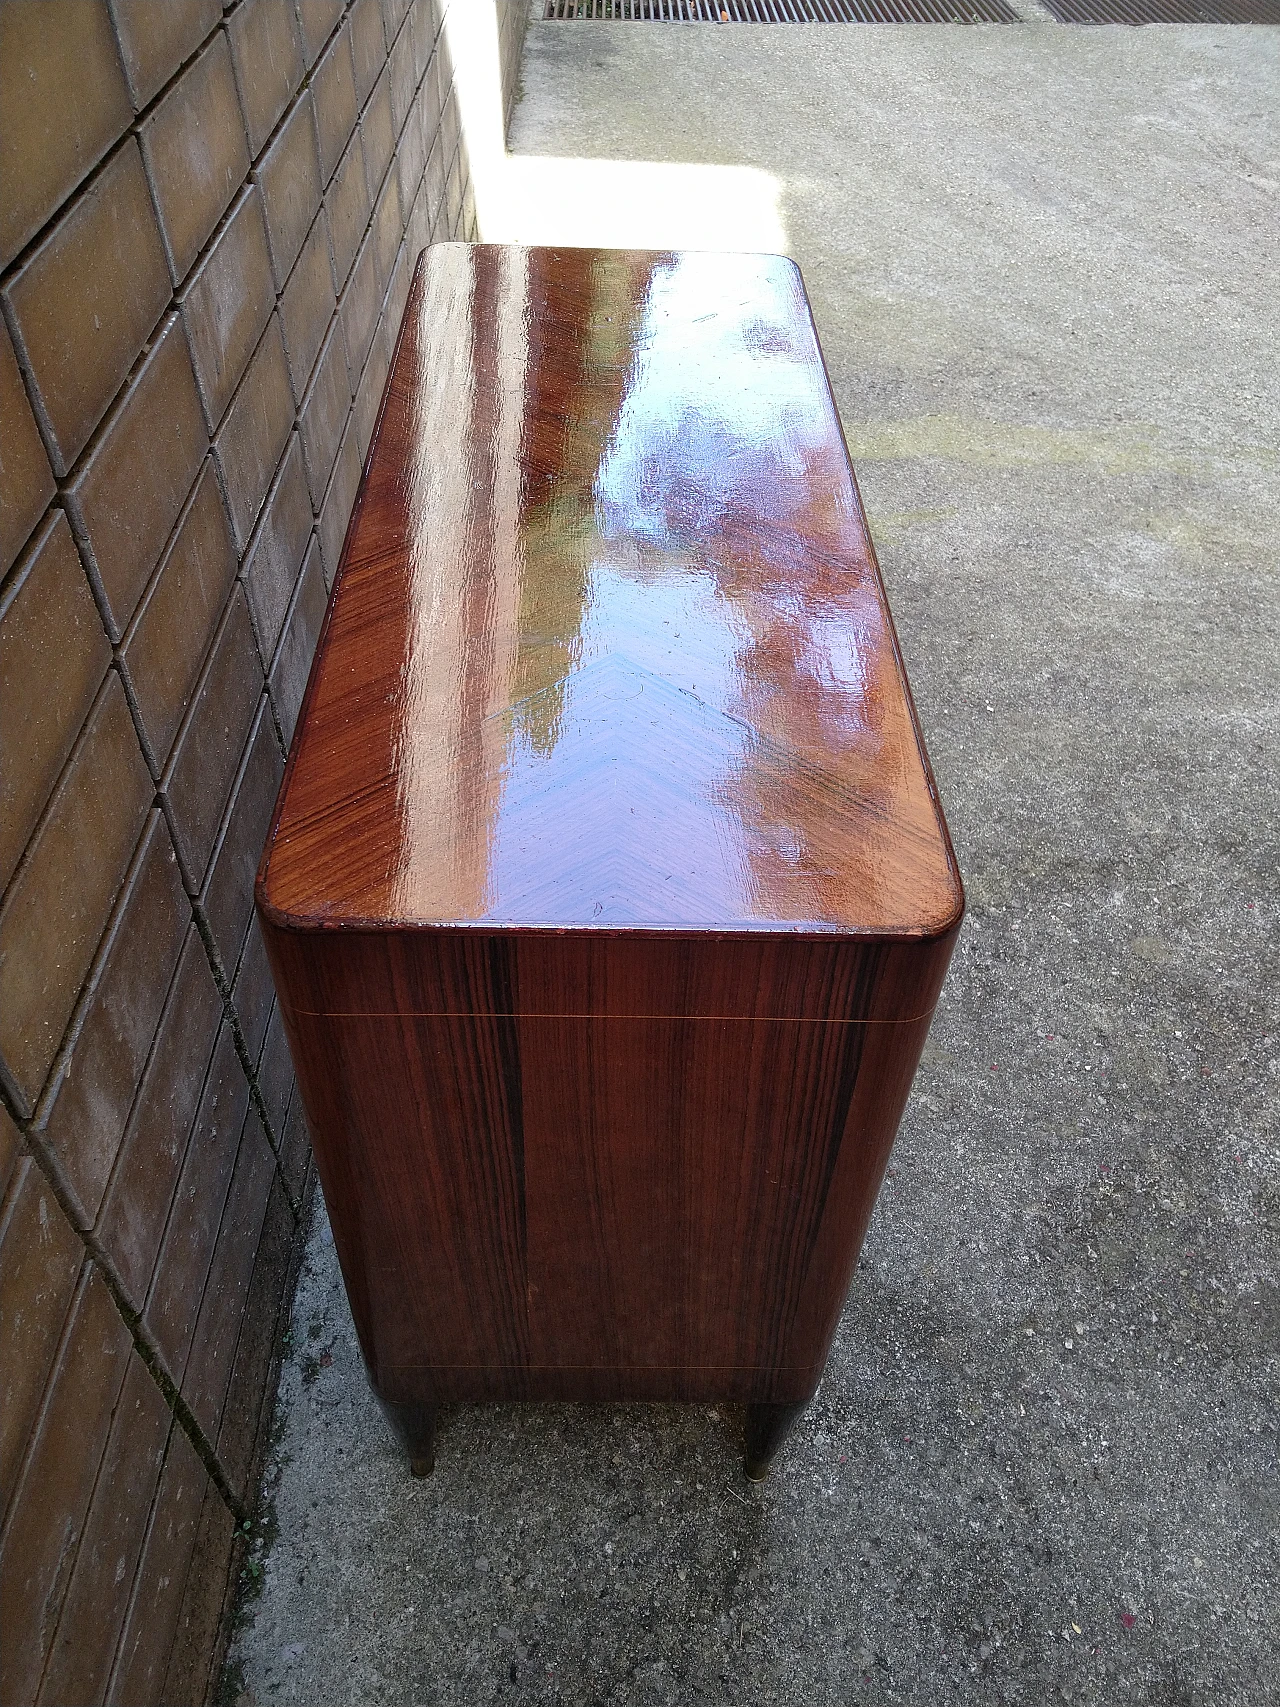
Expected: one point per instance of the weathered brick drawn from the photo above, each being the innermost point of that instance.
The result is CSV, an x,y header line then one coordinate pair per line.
x,y
388,231
46,1520
307,306
418,234
275,1074
431,93
397,296
425,29
53,656
288,179
295,1153
369,397
411,158
187,1249
378,135
227,897
292,663
193,144
335,512
204,1605
132,1218
359,307
156,36
453,202
254,431
433,186
26,480
408,201
135,479
64,100
333,87
267,51
316,19
404,78
85,301
217,1327
207,753
40,1258
368,46
252,992
10,1148
450,119
56,907
161,1579
348,205
170,634
248,1401
275,554
324,413
115,1528
394,13
227,303
83,1114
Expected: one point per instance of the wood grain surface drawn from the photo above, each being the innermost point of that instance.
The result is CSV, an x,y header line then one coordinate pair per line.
x,y
610,645
608,896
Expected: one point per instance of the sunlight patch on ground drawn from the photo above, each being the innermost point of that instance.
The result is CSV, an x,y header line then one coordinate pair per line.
x,y
631,204
617,204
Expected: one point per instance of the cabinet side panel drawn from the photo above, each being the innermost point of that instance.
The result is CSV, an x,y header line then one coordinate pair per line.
x,y
416,1125
577,1205
889,1060
677,1177
910,980
699,1186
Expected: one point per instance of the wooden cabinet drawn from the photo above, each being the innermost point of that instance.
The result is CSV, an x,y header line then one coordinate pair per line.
x,y
608,895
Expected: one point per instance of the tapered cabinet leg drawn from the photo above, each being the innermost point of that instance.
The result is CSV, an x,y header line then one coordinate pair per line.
x,y
767,1427
415,1429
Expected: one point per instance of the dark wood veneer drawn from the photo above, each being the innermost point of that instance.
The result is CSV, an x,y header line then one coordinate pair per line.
x,y
608,896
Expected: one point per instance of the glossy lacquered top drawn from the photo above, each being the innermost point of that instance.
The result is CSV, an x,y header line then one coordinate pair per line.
x,y
608,646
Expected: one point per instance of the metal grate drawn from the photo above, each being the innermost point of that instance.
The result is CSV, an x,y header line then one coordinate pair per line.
x,y
787,11
1165,11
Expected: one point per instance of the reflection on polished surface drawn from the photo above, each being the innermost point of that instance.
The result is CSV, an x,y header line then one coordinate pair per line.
x,y
609,645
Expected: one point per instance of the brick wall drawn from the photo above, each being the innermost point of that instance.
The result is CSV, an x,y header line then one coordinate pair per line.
x,y
209,218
